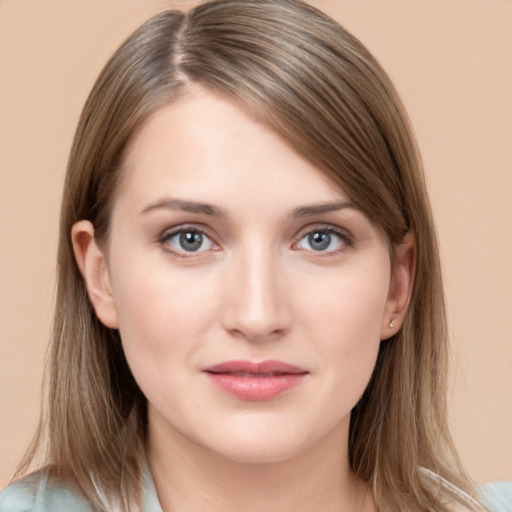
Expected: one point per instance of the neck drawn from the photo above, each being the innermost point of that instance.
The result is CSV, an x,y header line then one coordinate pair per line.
x,y
189,477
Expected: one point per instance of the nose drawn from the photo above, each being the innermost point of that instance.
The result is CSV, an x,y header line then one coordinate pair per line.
x,y
256,308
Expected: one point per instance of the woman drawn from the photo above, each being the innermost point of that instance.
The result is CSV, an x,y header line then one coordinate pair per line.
x,y
250,310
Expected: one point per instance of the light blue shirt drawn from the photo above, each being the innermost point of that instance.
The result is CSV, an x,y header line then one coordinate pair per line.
x,y
497,496
39,493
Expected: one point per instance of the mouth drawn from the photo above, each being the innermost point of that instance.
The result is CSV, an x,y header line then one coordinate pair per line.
x,y
255,381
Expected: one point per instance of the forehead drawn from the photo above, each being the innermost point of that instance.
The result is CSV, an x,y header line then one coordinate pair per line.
x,y
204,146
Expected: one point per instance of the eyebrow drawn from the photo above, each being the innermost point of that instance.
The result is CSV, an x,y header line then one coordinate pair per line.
x,y
318,209
184,206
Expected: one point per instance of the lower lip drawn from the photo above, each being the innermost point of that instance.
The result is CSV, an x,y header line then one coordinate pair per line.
x,y
256,388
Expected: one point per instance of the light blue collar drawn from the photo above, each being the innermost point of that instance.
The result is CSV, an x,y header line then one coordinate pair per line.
x,y
150,501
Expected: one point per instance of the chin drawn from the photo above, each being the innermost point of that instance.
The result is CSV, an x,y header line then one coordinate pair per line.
x,y
258,454
263,446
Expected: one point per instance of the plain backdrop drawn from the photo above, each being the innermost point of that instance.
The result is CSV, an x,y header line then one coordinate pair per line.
x,y
452,63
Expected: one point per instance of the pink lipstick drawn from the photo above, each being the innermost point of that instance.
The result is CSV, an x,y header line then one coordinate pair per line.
x,y
255,381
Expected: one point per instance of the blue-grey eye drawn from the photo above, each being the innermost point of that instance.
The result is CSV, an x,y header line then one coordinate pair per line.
x,y
189,240
320,241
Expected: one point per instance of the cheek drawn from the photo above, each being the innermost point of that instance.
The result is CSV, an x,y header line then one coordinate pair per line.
x,y
349,307
344,318
163,315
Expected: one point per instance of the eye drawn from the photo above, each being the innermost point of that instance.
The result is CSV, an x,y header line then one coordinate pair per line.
x,y
323,240
188,241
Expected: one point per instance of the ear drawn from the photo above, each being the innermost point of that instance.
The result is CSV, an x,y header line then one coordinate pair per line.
x,y
400,287
93,266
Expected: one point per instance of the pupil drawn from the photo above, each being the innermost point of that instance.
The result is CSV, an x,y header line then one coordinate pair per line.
x,y
191,241
319,241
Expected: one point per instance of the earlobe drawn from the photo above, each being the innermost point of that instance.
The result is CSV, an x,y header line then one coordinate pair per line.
x,y
400,288
93,266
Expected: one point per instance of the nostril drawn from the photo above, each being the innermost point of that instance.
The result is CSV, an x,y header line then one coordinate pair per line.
x,y
257,335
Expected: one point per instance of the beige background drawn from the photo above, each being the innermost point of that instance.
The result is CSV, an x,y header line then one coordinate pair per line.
x,y
452,63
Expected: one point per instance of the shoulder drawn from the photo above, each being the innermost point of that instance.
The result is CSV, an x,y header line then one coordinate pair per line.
x,y
455,499
40,493
497,496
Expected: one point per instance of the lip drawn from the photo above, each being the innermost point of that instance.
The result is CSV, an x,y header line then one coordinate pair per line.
x,y
247,380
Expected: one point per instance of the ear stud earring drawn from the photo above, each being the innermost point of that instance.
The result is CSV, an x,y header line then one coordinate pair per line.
x,y
392,324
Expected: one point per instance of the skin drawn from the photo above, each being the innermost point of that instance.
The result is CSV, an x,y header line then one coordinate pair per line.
x,y
257,288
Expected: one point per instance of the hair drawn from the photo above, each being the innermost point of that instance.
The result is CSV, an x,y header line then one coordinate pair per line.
x,y
314,84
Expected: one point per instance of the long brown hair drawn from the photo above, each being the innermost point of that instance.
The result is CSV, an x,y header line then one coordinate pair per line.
x,y
305,77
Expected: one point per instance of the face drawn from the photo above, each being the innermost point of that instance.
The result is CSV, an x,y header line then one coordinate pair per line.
x,y
250,292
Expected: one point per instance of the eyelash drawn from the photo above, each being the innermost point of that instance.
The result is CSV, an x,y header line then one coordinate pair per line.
x,y
346,240
169,235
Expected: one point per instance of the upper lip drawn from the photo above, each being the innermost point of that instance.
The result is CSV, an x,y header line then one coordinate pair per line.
x,y
263,367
